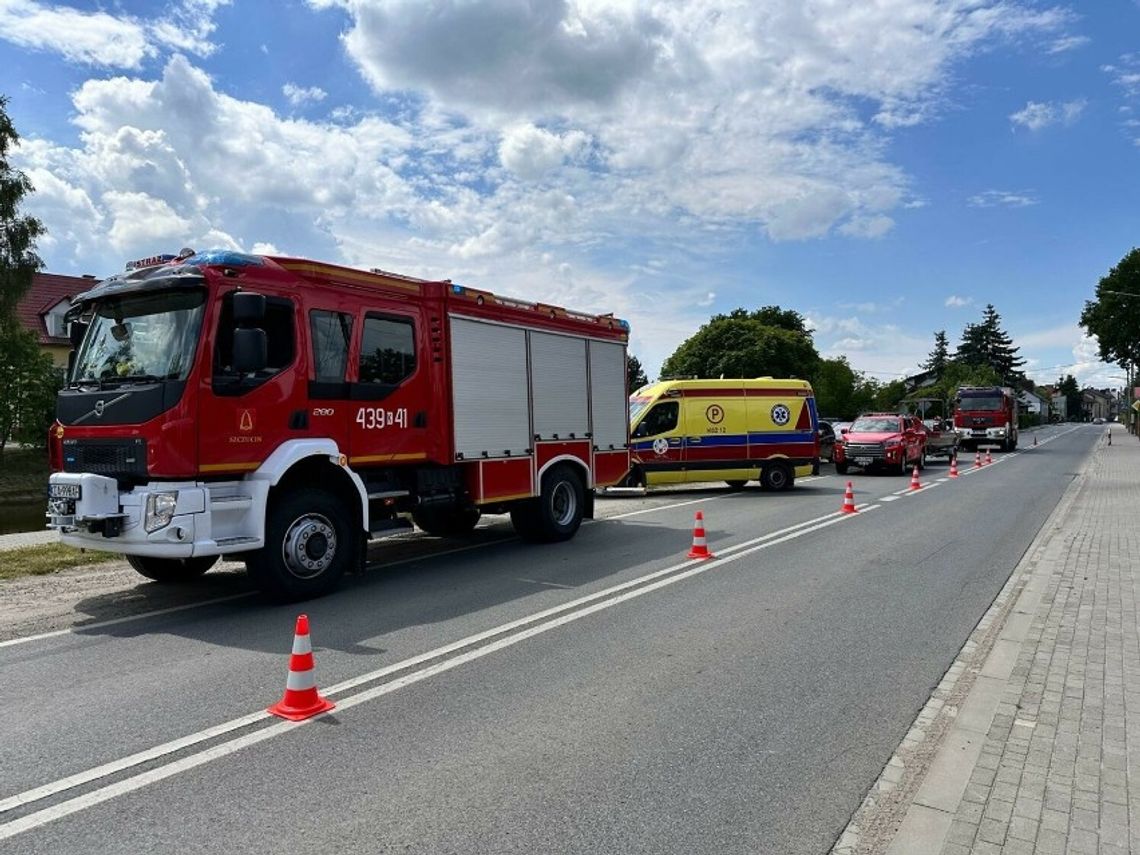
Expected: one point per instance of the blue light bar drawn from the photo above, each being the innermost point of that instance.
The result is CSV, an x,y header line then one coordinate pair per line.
x,y
224,258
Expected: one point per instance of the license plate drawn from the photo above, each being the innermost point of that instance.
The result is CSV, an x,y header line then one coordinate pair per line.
x,y
63,491
863,461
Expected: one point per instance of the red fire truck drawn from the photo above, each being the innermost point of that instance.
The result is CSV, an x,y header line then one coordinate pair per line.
x,y
986,414
281,411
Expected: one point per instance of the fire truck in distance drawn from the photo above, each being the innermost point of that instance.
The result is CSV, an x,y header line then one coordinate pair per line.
x,y
986,414
282,411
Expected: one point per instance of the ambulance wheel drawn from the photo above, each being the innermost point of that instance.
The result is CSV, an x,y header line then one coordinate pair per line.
x,y
841,468
736,485
171,570
777,476
556,513
309,545
447,521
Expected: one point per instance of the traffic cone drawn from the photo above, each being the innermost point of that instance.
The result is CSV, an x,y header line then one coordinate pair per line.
x,y
977,460
849,500
700,545
989,457
301,699
954,466
914,482
1034,440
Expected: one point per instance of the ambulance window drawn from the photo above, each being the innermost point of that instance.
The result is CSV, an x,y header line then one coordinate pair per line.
x,y
388,351
280,345
660,419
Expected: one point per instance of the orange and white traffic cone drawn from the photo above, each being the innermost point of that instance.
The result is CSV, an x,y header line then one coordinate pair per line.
x,y
301,699
700,545
954,466
989,457
849,500
914,482
977,460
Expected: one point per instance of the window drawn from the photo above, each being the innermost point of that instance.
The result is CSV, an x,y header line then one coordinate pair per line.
x,y
331,331
280,345
388,351
660,419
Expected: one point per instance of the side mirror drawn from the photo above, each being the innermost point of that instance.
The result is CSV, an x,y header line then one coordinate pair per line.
x,y
249,308
75,332
251,350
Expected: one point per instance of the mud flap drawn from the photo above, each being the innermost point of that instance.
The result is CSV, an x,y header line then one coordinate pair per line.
x,y
588,505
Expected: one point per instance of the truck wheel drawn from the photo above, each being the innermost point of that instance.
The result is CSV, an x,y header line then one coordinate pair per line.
x,y
556,513
841,468
172,570
777,476
446,521
736,485
309,544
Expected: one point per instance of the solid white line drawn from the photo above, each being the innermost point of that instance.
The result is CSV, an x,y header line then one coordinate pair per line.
x,y
74,805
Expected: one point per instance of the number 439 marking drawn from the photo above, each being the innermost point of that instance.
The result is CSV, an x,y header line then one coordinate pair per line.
x,y
378,418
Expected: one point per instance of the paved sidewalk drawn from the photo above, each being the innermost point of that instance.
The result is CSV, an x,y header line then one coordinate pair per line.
x,y
27,538
1039,751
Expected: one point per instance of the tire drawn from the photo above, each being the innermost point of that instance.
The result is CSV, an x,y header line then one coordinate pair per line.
x,y
736,485
841,468
310,542
448,521
902,465
922,460
556,514
777,477
172,571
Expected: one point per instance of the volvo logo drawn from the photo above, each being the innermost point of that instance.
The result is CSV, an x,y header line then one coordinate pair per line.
x,y
100,407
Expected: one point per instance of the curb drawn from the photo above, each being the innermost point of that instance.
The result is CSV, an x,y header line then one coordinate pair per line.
x,y
910,807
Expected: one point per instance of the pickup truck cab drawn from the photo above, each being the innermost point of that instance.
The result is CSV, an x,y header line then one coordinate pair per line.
x,y
882,441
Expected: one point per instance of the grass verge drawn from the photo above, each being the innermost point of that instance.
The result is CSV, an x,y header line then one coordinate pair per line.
x,y
23,472
42,560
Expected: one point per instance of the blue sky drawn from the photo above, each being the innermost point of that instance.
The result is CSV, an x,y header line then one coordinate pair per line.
x,y
885,167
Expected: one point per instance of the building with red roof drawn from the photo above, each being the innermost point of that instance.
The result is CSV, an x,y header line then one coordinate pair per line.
x,y
41,310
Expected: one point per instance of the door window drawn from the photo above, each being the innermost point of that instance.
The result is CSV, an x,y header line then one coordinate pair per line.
x,y
331,333
387,355
661,419
280,346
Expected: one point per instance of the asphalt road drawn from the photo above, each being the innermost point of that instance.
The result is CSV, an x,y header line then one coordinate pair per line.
x,y
605,695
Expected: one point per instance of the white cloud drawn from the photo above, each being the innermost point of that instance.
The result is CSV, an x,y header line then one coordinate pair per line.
x,y
298,95
530,152
108,41
1036,115
1067,43
1001,199
956,302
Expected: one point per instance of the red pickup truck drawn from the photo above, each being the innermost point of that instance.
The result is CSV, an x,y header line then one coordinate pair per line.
x,y
882,441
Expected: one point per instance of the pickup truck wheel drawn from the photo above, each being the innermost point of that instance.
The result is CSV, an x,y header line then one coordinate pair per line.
x,y
777,476
922,459
841,468
309,544
902,464
556,513
171,571
446,521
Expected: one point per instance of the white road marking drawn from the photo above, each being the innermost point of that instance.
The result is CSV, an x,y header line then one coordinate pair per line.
x,y
889,499
552,617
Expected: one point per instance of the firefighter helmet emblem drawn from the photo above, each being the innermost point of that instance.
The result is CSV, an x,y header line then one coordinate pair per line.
x,y
661,445
99,407
781,415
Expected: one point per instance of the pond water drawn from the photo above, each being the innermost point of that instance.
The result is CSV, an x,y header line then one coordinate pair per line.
x,y
27,515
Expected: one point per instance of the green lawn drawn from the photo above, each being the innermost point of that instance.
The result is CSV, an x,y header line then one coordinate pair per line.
x,y
41,560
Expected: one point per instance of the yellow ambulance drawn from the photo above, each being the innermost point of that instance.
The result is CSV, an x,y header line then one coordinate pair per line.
x,y
683,431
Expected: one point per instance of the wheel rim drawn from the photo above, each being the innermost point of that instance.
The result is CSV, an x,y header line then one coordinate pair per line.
x,y
309,546
778,478
563,503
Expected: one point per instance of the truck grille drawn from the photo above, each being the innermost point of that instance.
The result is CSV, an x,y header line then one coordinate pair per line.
x,y
864,449
115,458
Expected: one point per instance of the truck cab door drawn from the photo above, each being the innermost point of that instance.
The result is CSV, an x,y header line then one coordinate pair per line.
x,y
390,390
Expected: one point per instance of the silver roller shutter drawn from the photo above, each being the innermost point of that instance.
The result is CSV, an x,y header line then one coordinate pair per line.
x,y
558,384
489,389
609,405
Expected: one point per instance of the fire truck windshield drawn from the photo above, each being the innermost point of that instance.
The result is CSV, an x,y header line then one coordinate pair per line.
x,y
140,338
979,404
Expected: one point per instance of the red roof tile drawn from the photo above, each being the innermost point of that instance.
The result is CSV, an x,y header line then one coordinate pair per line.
x,y
46,291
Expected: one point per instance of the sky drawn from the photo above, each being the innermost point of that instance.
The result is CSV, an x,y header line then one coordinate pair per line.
x,y
884,167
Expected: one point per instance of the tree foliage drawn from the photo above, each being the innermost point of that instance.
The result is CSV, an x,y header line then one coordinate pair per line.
x,y
18,234
939,357
841,391
1068,387
987,344
743,344
634,374
1114,316
28,386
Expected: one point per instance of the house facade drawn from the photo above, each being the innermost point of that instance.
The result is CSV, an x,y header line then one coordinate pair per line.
x,y
41,311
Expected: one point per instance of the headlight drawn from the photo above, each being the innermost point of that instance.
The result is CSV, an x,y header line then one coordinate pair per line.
x,y
159,510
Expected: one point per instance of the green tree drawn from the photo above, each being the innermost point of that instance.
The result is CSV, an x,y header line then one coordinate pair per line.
x,y
634,374
888,396
1114,316
740,344
841,391
18,234
986,343
939,357
1068,387
28,385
